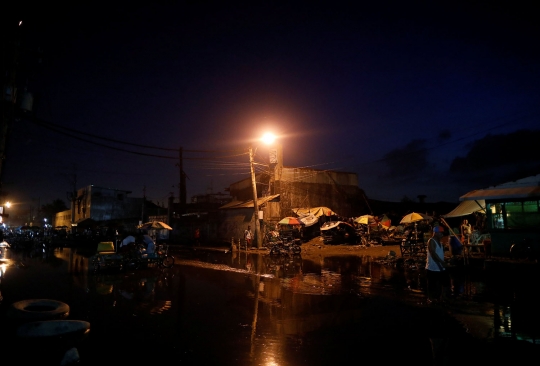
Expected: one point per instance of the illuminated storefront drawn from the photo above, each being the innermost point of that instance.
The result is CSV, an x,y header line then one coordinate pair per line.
x,y
512,213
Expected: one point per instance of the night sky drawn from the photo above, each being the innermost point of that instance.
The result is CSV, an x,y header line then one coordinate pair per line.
x,y
424,99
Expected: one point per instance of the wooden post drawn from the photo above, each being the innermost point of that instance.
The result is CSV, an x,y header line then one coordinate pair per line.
x,y
257,233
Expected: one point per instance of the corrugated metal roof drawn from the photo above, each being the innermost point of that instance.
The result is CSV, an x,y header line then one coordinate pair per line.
x,y
247,204
86,220
501,193
523,188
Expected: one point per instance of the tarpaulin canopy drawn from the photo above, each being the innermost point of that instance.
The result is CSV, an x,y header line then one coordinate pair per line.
x,y
333,224
154,225
467,207
315,211
309,220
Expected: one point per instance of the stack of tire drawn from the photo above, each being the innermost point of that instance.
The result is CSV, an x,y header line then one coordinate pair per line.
x,y
43,334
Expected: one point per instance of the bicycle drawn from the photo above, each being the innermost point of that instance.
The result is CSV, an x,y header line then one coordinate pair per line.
x,y
270,237
285,247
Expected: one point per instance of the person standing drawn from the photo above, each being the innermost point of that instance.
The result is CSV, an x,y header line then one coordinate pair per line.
x,y
149,244
435,266
248,236
127,243
197,236
466,231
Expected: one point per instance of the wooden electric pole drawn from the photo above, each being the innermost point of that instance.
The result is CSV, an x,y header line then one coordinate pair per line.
x,y
255,202
182,183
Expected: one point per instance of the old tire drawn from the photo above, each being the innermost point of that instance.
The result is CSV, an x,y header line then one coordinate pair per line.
x,y
168,261
39,309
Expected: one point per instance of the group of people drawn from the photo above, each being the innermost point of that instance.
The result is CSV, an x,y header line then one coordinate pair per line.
x,y
436,266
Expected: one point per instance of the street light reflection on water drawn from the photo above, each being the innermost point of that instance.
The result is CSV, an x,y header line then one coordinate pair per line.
x,y
222,307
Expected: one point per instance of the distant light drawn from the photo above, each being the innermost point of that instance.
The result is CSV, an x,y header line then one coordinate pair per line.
x,y
268,138
20,23
8,204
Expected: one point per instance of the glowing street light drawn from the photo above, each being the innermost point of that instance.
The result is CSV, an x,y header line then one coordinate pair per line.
x,y
275,159
268,138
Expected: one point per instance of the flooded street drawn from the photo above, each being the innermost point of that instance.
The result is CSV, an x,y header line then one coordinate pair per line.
x,y
222,308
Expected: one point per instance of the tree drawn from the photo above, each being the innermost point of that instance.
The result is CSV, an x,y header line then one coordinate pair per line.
x,y
406,199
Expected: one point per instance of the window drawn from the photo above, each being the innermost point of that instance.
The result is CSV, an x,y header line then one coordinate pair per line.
x,y
514,215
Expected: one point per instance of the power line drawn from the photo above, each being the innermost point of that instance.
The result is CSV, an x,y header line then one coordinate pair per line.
x,y
43,124
58,128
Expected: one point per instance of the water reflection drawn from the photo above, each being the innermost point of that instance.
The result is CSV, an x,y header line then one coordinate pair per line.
x,y
218,307
472,290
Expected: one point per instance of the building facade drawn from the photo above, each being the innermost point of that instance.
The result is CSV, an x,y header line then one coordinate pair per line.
x,y
286,189
102,205
512,213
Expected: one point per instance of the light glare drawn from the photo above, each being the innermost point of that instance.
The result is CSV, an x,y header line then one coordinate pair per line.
x,y
268,138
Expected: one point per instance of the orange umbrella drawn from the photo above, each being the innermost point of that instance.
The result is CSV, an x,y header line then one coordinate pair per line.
x,y
290,221
386,222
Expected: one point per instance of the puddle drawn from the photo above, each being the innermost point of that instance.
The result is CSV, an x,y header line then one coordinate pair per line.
x,y
218,307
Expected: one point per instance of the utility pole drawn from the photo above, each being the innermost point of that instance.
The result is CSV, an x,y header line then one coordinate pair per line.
x,y
182,184
72,197
16,101
143,205
180,167
9,89
255,202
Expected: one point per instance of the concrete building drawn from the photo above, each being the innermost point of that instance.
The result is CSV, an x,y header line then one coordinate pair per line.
x,y
104,205
288,188
512,213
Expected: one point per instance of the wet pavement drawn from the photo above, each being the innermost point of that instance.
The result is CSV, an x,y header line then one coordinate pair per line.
x,y
217,307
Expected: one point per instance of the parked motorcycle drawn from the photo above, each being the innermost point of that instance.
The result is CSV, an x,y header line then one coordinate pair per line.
x,y
160,257
286,246
107,258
